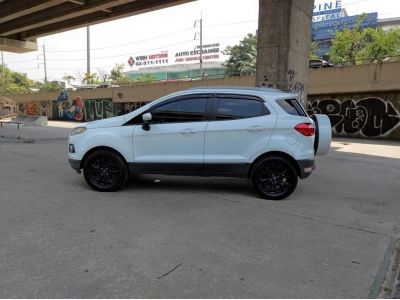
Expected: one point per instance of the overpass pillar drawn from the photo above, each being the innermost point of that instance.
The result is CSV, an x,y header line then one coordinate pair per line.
x,y
283,44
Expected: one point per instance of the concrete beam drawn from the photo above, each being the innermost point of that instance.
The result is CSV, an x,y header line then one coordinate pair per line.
x,y
284,38
68,10
10,10
17,46
96,17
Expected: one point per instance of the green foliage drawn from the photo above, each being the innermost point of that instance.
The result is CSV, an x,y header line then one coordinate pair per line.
x,y
313,49
116,73
357,46
90,78
380,45
146,78
53,86
117,76
242,57
13,82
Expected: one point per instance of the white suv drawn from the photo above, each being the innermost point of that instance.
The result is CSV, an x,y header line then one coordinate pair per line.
x,y
257,133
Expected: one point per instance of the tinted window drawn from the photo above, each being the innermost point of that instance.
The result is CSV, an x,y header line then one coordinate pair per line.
x,y
230,109
187,110
292,107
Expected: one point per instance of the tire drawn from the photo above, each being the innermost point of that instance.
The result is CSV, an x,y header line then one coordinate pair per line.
x,y
274,178
105,171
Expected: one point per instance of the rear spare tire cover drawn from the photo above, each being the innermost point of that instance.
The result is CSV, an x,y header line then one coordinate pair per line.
x,y
323,134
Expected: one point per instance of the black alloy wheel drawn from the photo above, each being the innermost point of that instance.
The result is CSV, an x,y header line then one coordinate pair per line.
x,y
105,171
274,178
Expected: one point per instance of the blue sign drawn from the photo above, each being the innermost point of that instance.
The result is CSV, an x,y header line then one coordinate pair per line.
x,y
325,30
327,12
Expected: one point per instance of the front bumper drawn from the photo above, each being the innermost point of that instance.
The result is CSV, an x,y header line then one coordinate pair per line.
x,y
306,167
75,164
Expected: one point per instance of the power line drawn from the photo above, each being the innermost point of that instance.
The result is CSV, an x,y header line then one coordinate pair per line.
x,y
126,44
130,53
232,23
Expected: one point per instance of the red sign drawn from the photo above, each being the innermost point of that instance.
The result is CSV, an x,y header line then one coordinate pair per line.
x,y
131,61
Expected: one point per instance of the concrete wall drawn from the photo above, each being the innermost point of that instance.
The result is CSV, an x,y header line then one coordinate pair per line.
x,y
355,79
94,104
361,101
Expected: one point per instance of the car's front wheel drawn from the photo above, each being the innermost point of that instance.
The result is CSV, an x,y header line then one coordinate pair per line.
x,y
274,178
105,171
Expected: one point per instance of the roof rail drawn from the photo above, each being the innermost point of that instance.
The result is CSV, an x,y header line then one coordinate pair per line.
x,y
268,89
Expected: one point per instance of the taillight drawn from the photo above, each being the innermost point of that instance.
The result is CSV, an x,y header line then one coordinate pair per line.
x,y
306,129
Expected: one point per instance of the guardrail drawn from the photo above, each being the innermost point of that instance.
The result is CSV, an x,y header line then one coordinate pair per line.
x,y
13,123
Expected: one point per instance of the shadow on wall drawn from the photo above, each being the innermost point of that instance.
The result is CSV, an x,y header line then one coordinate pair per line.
x,y
375,116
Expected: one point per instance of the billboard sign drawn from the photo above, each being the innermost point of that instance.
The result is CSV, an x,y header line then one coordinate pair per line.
x,y
328,11
210,52
152,59
326,29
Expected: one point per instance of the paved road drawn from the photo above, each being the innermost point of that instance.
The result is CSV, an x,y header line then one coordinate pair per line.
x,y
193,237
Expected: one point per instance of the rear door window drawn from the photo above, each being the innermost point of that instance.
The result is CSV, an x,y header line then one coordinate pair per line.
x,y
232,108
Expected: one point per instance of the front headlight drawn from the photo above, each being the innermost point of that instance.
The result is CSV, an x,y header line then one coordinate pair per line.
x,y
78,130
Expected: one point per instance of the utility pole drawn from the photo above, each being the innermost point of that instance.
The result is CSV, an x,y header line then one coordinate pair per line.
x,y
201,42
88,50
45,67
2,71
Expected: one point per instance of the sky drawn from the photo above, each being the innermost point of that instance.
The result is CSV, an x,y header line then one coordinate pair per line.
x,y
224,21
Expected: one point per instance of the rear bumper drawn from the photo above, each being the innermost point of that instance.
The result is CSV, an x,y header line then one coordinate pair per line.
x,y
306,167
75,164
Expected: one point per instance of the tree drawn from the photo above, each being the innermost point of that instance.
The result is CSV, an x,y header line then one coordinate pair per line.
x,y
49,86
116,73
146,78
90,78
68,78
380,45
13,82
117,76
242,57
313,50
356,46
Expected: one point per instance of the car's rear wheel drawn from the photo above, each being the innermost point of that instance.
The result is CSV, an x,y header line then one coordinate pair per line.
x,y
274,178
105,171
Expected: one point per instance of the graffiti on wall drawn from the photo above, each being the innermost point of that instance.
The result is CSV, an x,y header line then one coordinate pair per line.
x,y
296,86
68,109
368,117
32,109
98,109
35,108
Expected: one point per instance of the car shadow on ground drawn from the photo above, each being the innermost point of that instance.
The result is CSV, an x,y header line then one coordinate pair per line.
x,y
221,185
354,167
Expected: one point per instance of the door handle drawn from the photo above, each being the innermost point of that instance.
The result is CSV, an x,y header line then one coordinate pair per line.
x,y
255,128
188,131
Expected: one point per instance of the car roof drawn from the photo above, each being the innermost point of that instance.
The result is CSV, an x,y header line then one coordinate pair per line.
x,y
261,91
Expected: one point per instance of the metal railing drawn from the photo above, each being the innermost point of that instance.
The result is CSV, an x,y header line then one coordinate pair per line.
x,y
18,124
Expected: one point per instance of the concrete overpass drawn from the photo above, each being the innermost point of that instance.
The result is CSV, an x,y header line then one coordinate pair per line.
x,y
284,30
23,21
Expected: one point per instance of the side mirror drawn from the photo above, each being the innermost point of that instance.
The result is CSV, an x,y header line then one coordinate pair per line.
x,y
146,120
